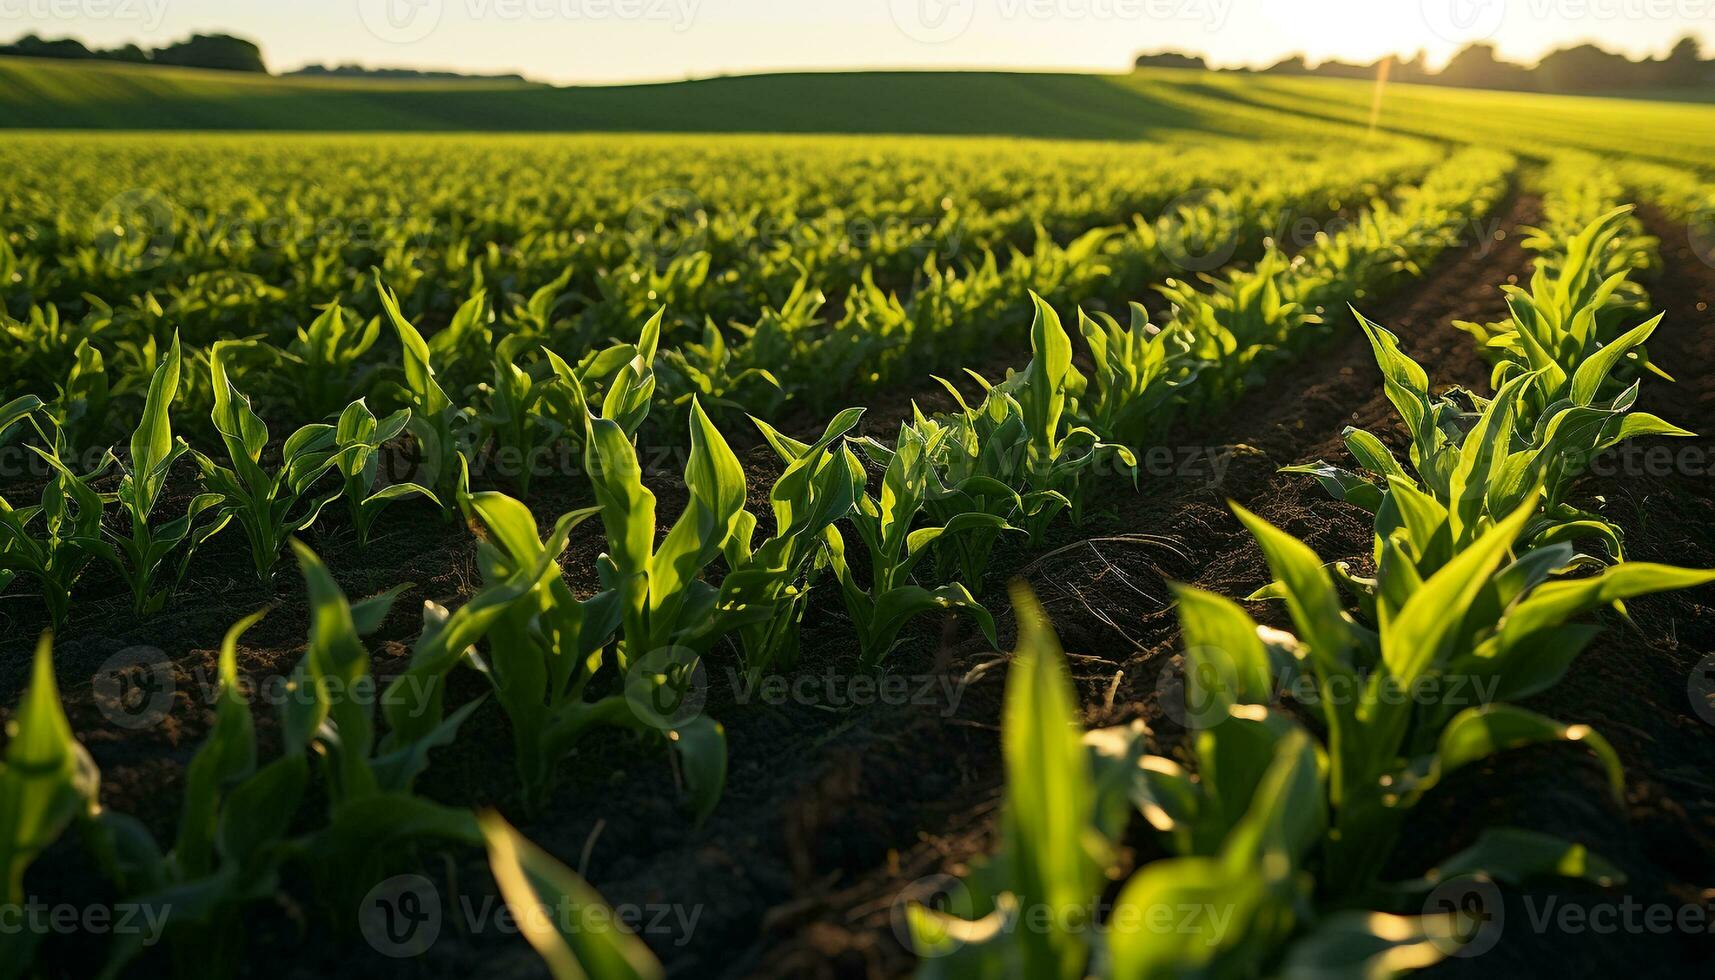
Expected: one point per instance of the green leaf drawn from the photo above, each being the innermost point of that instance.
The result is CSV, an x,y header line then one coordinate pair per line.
x,y
701,746
1515,856
1371,946
593,944
47,780
1049,794
1477,733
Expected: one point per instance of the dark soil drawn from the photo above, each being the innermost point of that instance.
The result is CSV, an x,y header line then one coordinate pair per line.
x,y
833,807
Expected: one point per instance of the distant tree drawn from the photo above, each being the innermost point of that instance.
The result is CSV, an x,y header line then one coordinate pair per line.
x,y
1587,68
1478,66
358,71
1684,64
1293,65
221,51
1170,59
1342,69
1413,69
31,46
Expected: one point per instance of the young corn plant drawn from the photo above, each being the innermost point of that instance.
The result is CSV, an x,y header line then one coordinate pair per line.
x,y
1486,616
322,369
358,438
884,526
665,601
627,370
11,414
440,429
47,782
81,407
1567,319
1129,397
1244,836
514,423
821,485
233,838
269,507
545,647
1017,455
50,541
594,943
373,817
714,373
140,555
669,616
1236,326
1475,464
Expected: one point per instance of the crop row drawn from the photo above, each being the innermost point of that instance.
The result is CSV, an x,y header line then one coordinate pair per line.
x,y
1306,751
239,240
560,666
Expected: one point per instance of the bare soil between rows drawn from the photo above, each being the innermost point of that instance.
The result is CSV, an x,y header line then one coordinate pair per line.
x,y
838,795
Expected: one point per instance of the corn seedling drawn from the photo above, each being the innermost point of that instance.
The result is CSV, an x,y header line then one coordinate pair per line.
x,y
514,422
358,438
140,554
1476,464
373,817
322,370
47,542
439,428
884,525
821,485
1129,394
1496,622
47,782
269,507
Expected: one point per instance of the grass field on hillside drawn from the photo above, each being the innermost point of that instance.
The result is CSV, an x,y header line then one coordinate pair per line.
x,y
1144,104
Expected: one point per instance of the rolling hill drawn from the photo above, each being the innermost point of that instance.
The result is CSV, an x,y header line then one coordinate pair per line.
x,y
40,94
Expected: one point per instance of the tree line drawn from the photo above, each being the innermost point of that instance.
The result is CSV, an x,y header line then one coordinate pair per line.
x,y
1578,68
222,51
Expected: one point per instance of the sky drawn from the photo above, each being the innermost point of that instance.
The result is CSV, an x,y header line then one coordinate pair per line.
x,y
570,41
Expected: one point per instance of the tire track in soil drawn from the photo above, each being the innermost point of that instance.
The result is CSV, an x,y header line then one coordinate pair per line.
x,y
1107,597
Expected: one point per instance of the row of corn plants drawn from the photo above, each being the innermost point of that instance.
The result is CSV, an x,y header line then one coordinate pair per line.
x,y
1285,812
